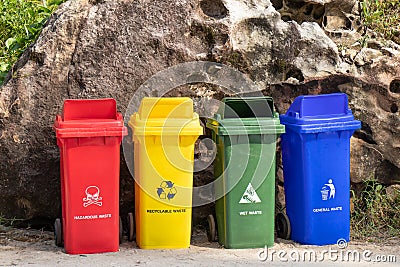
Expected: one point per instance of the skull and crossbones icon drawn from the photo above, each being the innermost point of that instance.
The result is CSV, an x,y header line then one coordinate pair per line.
x,y
92,196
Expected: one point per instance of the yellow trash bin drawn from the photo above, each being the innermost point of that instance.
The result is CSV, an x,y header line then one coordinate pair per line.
x,y
164,133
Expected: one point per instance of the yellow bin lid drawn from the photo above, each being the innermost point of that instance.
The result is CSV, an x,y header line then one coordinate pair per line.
x,y
166,116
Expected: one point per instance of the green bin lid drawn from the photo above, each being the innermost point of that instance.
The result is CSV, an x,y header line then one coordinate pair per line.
x,y
246,115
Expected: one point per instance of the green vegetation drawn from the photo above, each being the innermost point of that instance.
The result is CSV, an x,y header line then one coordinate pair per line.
x,y
382,16
8,222
21,21
376,214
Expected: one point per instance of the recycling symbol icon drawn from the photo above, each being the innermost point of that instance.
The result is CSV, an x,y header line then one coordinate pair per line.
x,y
166,190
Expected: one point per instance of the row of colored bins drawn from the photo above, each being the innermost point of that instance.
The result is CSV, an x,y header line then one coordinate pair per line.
x,y
245,131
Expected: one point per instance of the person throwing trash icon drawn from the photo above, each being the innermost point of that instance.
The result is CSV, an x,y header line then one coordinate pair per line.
x,y
331,189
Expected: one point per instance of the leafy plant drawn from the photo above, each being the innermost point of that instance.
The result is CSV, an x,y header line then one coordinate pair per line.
x,y
382,16
21,22
375,214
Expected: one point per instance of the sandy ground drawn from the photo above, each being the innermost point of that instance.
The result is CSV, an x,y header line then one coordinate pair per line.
x,y
36,248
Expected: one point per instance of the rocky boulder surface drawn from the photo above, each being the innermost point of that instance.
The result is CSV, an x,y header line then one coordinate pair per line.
x,y
94,49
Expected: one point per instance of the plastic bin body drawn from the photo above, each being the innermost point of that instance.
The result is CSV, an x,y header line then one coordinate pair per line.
x,y
316,165
245,163
89,136
164,133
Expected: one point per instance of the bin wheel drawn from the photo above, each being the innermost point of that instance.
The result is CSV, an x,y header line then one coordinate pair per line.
x,y
120,230
282,225
131,226
58,234
212,230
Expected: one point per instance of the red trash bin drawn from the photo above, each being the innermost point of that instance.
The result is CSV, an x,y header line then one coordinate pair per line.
x,y
89,135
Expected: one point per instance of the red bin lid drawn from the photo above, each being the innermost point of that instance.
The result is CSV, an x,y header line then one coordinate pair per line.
x,y
89,118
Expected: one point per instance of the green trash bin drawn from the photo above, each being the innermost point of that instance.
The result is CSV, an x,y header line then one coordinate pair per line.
x,y
245,131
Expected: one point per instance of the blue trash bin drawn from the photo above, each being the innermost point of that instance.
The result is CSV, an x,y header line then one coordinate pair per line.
x,y
316,168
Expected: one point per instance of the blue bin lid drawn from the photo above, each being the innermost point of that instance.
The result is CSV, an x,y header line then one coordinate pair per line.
x,y
320,113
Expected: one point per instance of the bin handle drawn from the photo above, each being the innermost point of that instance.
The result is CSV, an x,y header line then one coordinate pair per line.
x,y
57,121
294,114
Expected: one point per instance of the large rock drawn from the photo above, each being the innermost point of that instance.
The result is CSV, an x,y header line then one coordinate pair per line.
x,y
109,48
364,162
29,165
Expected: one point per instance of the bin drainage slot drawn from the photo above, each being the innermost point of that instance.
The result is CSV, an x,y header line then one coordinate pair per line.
x,y
248,108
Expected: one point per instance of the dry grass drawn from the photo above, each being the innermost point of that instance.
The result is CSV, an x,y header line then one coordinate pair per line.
x,y
376,214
